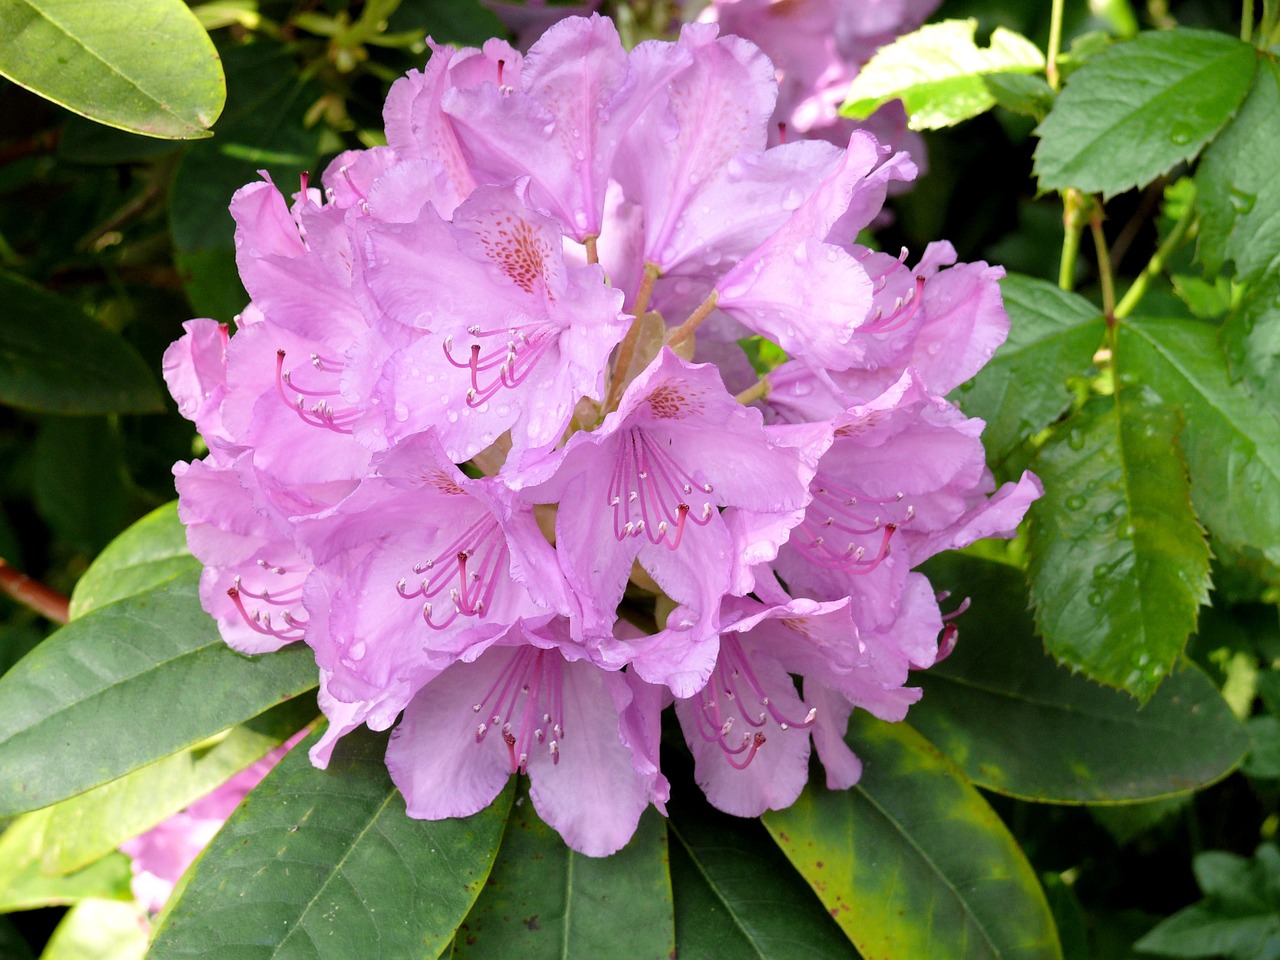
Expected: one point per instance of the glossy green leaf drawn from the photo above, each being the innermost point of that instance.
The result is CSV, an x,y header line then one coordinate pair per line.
x,y
1052,336
1020,93
140,65
1251,338
543,900
126,685
1239,196
1138,108
325,864
91,825
25,885
99,930
1119,566
938,73
1020,724
54,359
263,129
1231,442
911,861
737,897
150,552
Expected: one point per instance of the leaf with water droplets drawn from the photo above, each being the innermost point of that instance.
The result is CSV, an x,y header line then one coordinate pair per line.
x,y
1138,108
911,861
1020,724
1251,338
1238,188
324,864
1231,441
1119,564
1052,336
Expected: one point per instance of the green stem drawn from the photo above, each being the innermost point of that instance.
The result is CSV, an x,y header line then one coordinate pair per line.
x,y
756,392
1104,262
1072,225
1157,262
1246,21
1055,44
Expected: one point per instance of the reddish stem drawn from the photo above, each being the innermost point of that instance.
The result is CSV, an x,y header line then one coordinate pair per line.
x,y
33,593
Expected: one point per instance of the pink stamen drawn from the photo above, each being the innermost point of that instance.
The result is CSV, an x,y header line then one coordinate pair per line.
x,y
903,313
513,362
470,567
535,675
321,413
646,479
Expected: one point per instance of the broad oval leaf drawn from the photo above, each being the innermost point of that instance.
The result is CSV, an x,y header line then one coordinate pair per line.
x,y
1119,565
911,861
1018,723
1239,196
324,864
140,65
54,359
938,73
737,897
125,685
1137,108
91,825
1052,336
1231,442
150,552
544,900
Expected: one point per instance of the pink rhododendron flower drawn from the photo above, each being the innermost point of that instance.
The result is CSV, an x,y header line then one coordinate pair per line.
x,y
486,442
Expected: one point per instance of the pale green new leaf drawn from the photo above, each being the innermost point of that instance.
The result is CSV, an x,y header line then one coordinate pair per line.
x,y
99,930
141,65
938,73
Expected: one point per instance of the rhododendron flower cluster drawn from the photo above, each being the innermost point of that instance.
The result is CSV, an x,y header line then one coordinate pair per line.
x,y
486,440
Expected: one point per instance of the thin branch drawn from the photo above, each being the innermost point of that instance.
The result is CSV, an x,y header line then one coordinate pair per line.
x,y
33,594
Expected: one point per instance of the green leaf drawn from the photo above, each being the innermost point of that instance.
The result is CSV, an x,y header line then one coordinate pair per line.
x,y
140,65
1231,442
1239,917
1136,109
54,359
911,861
737,897
1020,724
544,900
1236,182
325,864
126,685
86,500
150,552
99,930
1119,566
1020,93
1251,338
938,73
458,22
91,825
263,129
24,885
1052,336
